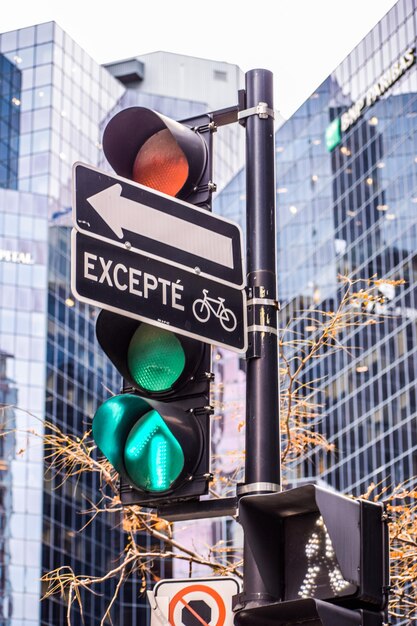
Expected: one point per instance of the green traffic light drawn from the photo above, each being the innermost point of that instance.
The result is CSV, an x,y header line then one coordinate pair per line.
x,y
153,457
138,442
155,358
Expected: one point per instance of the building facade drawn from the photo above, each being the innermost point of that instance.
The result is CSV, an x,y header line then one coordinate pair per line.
x,y
346,195
346,172
55,101
10,88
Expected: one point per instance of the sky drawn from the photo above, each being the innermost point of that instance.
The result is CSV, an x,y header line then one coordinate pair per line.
x,y
299,41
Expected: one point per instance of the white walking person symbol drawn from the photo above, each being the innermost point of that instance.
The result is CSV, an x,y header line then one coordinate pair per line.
x,y
321,559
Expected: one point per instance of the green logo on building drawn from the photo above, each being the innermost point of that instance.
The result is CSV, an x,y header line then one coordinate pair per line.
x,y
333,134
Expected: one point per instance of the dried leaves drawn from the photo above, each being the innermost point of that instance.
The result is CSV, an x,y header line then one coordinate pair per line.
x,y
307,336
401,507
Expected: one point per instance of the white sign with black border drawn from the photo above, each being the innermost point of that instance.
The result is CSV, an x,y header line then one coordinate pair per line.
x,y
134,217
159,293
203,601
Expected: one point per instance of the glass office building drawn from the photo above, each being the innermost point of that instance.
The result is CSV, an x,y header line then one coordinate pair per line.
x,y
346,204
8,399
10,87
346,172
347,182
54,102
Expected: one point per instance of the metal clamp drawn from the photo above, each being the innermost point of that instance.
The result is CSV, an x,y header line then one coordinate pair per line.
x,y
256,322
263,301
256,487
241,600
262,328
261,109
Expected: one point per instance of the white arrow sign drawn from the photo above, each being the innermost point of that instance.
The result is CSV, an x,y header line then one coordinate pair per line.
x,y
121,214
144,221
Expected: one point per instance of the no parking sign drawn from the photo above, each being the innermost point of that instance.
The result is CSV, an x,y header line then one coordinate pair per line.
x,y
193,602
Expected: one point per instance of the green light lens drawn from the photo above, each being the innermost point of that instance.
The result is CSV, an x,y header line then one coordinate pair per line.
x,y
155,358
153,456
113,421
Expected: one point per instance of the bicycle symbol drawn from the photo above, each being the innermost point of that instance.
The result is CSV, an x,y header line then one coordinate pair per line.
x,y
204,307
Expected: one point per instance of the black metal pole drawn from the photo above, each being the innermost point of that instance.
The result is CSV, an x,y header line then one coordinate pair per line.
x,y
262,467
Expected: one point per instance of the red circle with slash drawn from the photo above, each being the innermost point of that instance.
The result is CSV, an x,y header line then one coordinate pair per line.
x,y
179,597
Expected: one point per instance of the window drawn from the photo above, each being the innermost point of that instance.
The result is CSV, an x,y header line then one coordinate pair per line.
x,y
220,75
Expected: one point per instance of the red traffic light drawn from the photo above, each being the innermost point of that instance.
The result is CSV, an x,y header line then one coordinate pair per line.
x,y
161,164
159,152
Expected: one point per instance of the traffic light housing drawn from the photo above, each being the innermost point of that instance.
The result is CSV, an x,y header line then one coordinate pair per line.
x,y
321,555
169,156
156,433
310,612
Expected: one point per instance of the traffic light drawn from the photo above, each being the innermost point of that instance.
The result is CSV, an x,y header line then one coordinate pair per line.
x,y
156,433
321,555
169,156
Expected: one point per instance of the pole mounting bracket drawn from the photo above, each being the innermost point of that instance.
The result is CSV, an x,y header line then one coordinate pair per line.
x,y
260,487
262,109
